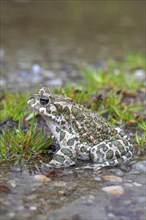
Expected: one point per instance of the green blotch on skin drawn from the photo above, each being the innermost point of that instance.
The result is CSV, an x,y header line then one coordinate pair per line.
x,y
48,109
67,117
109,154
71,141
92,124
117,154
54,113
62,135
67,152
57,129
80,116
119,146
59,158
66,110
74,111
59,107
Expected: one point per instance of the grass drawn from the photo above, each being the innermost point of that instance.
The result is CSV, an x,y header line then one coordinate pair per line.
x,y
112,91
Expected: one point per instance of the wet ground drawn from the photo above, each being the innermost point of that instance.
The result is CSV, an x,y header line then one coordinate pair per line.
x,y
76,194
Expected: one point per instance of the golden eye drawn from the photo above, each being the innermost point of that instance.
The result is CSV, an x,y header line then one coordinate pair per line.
x,y
44,100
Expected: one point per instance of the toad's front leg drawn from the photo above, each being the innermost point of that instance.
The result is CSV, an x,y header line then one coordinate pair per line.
x,y
66,155
63,158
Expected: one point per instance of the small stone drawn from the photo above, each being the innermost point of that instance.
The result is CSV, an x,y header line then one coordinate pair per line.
x,y
140,166
127,202
60,184
42,178
36,68
114,190
137,184
98,178
139,74
91,199
112,178
61,192
12,183
111,215
128,184
31,197
33,208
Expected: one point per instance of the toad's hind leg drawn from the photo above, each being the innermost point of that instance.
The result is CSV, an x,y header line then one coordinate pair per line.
x,y
110,153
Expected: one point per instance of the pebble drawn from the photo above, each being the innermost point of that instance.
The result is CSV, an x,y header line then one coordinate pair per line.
x,y
31,197
114,190
60,184
137,184
140,166
111,215
91,199
42,178
128,184
98,178
139,74
33,208
12,183
36,68
112,178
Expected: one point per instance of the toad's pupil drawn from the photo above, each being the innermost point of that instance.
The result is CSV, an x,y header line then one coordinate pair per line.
x,y
44,100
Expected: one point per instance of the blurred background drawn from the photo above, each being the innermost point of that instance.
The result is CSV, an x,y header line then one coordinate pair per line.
x,y
47,42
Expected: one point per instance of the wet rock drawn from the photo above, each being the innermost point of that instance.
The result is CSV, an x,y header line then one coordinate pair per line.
x,y
33,208
128,184
32,197
112,178
137,184
12,183
117,172
42,178
4,188
114,190
140,166
60,184
97,178
90,199
36,68
139,74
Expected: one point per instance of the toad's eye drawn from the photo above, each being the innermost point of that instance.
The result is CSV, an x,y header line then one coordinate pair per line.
x,y
44,100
